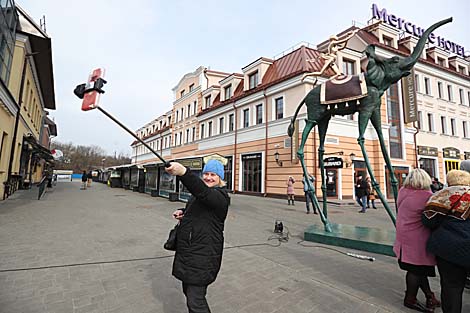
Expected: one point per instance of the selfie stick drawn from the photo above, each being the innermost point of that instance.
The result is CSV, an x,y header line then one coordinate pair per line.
x,y
90,99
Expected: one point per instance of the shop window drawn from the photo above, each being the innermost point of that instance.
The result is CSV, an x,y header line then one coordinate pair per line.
x,y
451,165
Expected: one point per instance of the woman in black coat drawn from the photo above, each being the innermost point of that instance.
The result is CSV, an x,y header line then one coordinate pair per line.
x,y
200,237
447,213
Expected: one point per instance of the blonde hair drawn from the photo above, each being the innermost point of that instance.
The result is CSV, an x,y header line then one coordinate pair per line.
x,y
222,183
458,178
418,179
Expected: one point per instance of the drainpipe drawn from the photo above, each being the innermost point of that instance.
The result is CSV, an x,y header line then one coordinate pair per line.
x,y
416,147
265,143
235,150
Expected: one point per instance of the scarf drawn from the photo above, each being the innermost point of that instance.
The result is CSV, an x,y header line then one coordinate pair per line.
x,y
452,201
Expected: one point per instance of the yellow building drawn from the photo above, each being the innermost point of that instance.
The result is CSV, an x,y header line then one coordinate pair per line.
x,y
31,89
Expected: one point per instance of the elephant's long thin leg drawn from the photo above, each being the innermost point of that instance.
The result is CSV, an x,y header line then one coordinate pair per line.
x,y
322,128
376,122
308,127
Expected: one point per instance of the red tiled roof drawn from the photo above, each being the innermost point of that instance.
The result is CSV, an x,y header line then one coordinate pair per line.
x,y
295,63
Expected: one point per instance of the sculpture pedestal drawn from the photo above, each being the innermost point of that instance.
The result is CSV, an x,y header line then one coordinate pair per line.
x,y
369,239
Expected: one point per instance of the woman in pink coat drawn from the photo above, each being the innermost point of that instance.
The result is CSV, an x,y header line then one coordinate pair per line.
x,y
411,238
290,190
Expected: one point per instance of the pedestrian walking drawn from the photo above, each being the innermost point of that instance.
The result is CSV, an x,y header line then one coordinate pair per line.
x,y
200,233
360,191
84,180
411,238
89,178
290,190
447,214
436,185
308,194
370,194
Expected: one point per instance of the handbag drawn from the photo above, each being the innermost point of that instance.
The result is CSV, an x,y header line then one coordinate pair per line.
x,y
170,243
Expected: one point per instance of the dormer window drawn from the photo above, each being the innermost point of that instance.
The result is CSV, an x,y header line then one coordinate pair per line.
x,y
441,62
228,92
461,69
349,67
388,41
191,87
208,101
253,80
182,93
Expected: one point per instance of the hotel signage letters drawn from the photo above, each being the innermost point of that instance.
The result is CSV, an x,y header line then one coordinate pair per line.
x,y
410,28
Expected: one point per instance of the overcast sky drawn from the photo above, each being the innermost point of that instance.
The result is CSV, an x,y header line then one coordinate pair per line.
x,y
147,46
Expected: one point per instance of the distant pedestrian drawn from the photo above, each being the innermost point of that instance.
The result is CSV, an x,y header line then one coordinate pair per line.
x,y
447,214
84,180
411,238
308,194
89,179
370,194
290,190
360,190
436,185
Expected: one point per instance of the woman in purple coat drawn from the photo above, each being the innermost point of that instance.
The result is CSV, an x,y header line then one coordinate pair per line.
x,y
411,238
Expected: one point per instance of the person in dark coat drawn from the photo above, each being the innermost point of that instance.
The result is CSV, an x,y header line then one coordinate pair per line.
x,y
447,213
361,190
200,234
84,179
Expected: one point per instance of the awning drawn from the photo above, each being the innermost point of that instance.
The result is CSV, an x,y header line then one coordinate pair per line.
x,y
41,151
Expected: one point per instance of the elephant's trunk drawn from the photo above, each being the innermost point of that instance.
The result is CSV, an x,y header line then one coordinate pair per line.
x,y
409,62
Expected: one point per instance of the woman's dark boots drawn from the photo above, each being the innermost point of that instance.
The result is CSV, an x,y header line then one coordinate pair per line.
x,y
411,302
431,301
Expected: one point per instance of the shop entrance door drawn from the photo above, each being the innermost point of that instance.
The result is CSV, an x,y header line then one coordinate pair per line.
x,y
400,173
331,182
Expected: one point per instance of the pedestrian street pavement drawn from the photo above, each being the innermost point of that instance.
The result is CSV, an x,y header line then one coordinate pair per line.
x,y
100,250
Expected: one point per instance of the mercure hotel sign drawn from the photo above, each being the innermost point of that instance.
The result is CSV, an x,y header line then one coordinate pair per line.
x,y
410,28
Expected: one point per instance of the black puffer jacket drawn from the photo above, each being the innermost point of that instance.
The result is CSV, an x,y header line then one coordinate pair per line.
x,y
200,235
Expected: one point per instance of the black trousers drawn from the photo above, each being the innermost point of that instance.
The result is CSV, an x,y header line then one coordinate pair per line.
x,y
196,298
452,284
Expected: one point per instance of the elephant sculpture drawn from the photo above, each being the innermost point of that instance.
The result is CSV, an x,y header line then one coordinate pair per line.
x,y
380,74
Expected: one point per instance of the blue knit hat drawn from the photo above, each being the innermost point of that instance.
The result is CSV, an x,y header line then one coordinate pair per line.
x,y
214,166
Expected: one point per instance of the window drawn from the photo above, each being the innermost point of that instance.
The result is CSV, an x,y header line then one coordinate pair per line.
x,y
177,115
182,113
176,139
349,67
188,111
181,138
441,61
209,129
450,93
453,127
259,114
208,101
465,129
443,125
253,80
427,86
187,135
194,134
2,144
221,125
468,97
439,90
194,107
462,100
182,93
420,120
9,18
279,108
231,122
246,118
388,41
228,92
417,83
461,69
202,131
394,119
191,87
